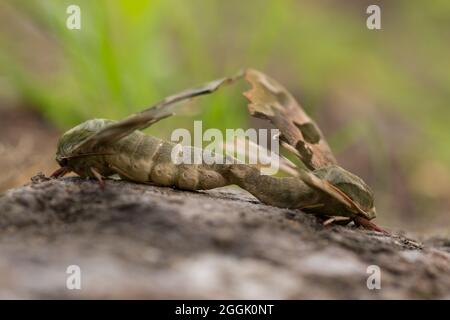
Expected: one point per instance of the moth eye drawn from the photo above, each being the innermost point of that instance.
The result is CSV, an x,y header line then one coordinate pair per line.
x,y
62,162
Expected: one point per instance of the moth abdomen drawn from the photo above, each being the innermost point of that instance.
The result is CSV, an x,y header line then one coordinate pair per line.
x,y
146,159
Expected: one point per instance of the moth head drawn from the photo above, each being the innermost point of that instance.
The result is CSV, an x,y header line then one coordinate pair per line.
x,y
68,144
353,186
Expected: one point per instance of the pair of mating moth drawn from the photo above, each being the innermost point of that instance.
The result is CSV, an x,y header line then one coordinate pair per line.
x,y
101,148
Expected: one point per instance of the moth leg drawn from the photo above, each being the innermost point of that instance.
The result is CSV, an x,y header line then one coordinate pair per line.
x,y
61,172
99,178
335,219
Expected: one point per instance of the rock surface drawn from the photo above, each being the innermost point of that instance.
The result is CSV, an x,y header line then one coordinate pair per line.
x,y
139,241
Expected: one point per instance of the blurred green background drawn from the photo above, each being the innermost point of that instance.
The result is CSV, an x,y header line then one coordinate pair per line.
x,y
380,96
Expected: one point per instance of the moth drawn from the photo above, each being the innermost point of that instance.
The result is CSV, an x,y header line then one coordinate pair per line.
x,y
100,148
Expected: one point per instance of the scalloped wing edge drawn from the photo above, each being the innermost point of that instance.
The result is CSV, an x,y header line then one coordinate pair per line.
x,y
270,100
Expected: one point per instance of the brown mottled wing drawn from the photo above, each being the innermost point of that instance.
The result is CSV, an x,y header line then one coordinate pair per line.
x,y
270,100
315,182
300,134
151,115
